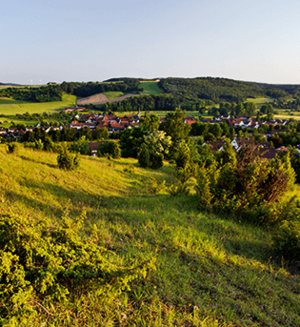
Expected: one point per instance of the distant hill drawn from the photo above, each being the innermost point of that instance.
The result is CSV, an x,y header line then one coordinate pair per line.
x,y
9,84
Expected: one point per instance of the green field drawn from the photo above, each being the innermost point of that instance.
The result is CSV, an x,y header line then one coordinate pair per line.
x,y
260,100
150,87
13,107
113,94
210,270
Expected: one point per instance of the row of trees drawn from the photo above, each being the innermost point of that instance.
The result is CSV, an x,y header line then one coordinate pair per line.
x,y
34,94
86,89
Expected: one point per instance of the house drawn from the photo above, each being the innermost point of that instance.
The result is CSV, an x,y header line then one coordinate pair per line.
x,y
266,153
215,145
239,143
93,146
3,131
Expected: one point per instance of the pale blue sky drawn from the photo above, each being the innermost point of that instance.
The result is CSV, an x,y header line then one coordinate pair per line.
x,y
89,40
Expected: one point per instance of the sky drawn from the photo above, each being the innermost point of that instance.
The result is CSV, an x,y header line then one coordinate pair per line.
x,y
93,40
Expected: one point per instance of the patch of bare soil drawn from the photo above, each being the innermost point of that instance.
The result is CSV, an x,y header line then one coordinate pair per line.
x,y
101,99
93,99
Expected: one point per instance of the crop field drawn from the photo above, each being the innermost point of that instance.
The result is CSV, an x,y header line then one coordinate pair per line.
x,y
210,270
150,87
10,106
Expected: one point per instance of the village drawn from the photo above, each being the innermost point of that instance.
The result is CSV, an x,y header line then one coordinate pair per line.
x,y
116,124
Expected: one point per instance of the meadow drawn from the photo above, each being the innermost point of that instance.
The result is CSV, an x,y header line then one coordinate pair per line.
x,y
113,94
11,107
210,270
150,87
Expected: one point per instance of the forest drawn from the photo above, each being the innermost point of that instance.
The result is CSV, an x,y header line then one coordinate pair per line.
x,y
33,94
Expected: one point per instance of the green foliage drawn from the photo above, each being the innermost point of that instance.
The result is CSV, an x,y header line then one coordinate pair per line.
x,y
174,125
81,146
156,160
247,185
42,263
100,134
227,155
116,151
183,155
150,123
130,142
110,149
156,187
183,175
34,94
205,196
12,147
158,142
144,157
39,144
66,160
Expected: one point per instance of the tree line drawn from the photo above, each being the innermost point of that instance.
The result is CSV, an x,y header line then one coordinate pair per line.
x,y
34,94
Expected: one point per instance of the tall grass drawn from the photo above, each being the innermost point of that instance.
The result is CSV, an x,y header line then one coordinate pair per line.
x,y
210,270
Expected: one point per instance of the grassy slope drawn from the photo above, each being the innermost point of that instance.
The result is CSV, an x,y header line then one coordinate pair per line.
x,y
113,94
150,87
208,267
13,107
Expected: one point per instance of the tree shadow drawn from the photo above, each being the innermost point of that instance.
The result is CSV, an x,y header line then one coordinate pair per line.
x,y
38,162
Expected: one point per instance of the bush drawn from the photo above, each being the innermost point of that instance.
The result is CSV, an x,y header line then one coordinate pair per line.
x,y
42,264
66,160
179,188
155,187
116,151
287,240
156,160
12,147
111,149
287,237
144,157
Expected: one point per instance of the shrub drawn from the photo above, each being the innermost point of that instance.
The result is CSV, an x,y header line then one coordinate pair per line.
x,y
156,160
12,147
66,160
248,186
155,187
116,151
144,157
287,240
179,188
42,264
109,148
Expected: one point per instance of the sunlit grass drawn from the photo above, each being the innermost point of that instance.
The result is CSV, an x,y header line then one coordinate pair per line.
x,y
13,107
113,94
150,87
210,270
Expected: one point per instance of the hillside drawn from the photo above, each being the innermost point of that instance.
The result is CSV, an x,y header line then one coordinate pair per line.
x,y
210,270
9,106
102,99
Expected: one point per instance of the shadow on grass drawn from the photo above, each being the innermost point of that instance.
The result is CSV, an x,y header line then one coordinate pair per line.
x,y
170,217
38,162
